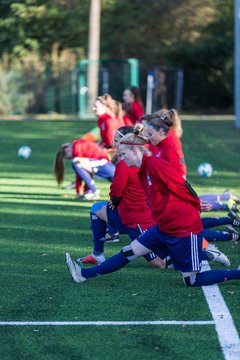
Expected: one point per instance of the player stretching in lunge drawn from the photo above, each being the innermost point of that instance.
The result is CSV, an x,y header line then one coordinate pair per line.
x,y
128,211
175,207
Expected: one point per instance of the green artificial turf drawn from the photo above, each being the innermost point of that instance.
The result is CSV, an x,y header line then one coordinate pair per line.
x,y
39,222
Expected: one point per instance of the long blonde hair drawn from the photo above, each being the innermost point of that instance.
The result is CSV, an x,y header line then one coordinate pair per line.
x,y
119,112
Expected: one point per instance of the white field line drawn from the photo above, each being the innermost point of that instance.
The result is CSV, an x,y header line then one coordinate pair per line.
x,y
102,323
227,333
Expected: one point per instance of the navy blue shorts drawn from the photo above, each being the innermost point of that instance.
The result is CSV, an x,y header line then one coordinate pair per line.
x,y
115,221
184,251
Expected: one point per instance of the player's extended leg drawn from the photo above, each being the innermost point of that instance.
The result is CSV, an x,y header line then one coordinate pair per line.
x,y
137,248
209,277
112,264
231,218
186,255
229,234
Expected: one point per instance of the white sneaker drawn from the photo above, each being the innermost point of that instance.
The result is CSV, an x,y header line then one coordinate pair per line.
x,y
90,195
70,186
75,269
218,256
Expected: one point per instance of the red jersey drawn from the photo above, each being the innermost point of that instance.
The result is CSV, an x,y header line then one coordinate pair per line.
x,y
174,205
133,208
135,112
178,144
167,151
127,121
87,149
108,126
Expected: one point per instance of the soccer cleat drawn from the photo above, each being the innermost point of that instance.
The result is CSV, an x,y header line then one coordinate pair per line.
x,y
92,259
235,234
235,208
90,195
75,269
235,219
218,256
233,196
110,237
70,186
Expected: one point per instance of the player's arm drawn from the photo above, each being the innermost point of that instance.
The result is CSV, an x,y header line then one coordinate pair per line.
x,y
118,185
175,182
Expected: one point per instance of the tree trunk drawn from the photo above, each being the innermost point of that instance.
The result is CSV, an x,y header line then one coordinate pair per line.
x,y
93,51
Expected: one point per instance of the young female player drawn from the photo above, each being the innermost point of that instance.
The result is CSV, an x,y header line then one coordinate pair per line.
x,y
121,114
108,122
127,211
218,201
132,104
175,207
162,130
88,159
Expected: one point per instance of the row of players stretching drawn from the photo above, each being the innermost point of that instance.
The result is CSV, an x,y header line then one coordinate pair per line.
x,y
177,230
129,213
84,152
89,158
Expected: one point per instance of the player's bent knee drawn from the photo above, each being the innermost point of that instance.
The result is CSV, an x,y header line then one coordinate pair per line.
x,y
190,280
76,161
128,253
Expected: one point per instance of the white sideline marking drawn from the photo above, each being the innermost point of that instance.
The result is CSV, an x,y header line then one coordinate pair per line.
x,y
102,323
227,333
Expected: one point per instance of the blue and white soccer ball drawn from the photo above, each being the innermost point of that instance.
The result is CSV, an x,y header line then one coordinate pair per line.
x,y
24,152
205,170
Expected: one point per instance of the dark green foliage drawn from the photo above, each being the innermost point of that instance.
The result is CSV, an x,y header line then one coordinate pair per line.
x,y
196,35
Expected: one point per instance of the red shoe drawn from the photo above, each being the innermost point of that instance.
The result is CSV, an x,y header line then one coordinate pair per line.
x,y
88,260
92,259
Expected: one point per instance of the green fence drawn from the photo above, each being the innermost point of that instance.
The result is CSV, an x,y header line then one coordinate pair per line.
x,y
113,77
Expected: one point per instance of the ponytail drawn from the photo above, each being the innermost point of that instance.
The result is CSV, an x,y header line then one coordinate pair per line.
x,y
58,169
177,124
135,138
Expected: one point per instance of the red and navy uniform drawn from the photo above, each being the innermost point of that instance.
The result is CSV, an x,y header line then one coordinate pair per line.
x,y
107,125
135,112
175,208
167,150
127,190
178,145
87,149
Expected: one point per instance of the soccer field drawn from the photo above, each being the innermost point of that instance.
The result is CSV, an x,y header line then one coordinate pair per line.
x,y
136,313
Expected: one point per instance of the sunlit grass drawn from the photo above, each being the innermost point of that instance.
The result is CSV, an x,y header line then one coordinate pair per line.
x,y
40,221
